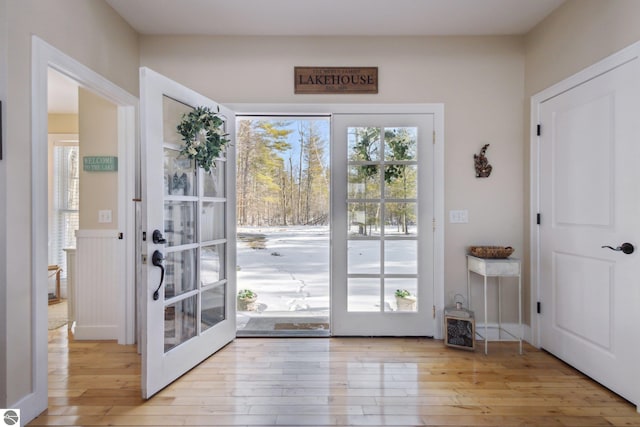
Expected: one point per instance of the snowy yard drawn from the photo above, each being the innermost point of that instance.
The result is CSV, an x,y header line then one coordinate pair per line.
x,y
288,267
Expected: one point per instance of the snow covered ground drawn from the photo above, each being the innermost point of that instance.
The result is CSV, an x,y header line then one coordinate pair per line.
x,y
291,273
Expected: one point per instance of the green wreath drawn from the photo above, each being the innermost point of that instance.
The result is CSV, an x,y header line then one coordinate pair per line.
x,y
204,137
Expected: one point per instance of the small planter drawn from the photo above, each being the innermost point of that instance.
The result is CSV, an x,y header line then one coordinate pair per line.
x,y
407,303
247,304
247,300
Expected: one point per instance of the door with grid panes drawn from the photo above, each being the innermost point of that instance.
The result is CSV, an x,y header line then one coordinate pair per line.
x,y
382,225
188,297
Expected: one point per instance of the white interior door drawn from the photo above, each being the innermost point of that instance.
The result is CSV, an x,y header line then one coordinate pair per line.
x,y
382,224
589,198
194,212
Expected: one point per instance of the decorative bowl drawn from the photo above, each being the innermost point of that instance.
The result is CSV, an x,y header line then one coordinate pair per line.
x,y
491,251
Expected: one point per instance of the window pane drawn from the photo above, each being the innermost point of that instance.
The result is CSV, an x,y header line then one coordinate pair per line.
x,y
400,181
179,222
172,112
180,322
212,264
212,221
213,306
179,174
363,144
401,257
214,181
401,219
363,257
364,182
393,303
400,143
180,273
364,219
363,295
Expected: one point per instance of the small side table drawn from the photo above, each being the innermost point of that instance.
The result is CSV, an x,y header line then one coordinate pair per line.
x,y
502,267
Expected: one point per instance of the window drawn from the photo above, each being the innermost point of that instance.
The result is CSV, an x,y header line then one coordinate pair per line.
x,y
65,200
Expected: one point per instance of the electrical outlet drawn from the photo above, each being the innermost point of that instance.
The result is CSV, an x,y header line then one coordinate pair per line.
x,y
104,217
459,216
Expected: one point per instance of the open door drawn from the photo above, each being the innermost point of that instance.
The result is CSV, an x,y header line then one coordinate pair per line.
x,y
188,216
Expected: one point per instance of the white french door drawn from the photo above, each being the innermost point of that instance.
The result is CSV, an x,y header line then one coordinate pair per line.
x,y
189,221
382,224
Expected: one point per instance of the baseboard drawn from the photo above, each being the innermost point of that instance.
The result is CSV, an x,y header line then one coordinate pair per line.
x,y
95,332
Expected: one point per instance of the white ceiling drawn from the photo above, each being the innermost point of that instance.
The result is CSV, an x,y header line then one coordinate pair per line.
x,y
334,17
316,18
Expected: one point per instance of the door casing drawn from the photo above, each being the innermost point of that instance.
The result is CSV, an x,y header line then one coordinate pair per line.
x,y
43,57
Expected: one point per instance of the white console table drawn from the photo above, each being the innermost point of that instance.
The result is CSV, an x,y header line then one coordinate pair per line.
x,y
496,267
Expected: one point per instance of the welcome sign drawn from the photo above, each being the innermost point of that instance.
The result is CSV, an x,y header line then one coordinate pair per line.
x,y
331,80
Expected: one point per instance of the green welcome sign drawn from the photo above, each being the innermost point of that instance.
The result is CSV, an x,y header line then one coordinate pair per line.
x,y
100,163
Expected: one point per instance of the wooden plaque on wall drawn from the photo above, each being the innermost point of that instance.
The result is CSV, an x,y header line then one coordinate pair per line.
x,y
331,80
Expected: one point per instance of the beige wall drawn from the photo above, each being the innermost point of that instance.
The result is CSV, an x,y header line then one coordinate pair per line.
x,y
92,33
98,137
578,34
63,123
480,80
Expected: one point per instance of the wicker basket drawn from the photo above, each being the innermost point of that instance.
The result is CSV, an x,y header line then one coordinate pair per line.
x,y
491,251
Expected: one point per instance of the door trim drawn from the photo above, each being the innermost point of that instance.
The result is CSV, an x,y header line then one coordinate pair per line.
x,y
43,56
438,152
613,61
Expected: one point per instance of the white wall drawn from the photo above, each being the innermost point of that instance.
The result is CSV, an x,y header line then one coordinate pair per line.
x,y
92,33
480,80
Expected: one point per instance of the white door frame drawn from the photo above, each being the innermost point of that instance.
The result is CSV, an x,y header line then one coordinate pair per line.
x,y
617,59
43,56
438,112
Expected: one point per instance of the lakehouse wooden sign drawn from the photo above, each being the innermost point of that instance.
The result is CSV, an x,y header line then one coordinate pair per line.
x,y
316,80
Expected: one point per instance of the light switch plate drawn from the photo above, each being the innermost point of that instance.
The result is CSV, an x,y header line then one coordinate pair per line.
x,y
104,217
459,216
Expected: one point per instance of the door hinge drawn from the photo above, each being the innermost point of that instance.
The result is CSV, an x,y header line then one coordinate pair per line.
x,y
434,312
120,236
538,219
538,307
144,236
539,129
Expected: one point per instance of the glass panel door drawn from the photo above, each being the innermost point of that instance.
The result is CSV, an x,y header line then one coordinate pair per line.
x,y
382,214
190,310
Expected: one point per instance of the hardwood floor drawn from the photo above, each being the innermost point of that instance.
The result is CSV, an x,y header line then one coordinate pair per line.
x,y
322,381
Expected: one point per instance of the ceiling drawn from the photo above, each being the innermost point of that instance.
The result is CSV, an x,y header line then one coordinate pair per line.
x,y
333,17
317,18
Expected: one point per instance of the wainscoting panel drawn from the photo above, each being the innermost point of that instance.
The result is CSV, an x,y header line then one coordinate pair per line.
x,y
96,284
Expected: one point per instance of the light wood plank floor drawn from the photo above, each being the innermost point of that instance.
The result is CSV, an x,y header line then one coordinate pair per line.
x,y
322,381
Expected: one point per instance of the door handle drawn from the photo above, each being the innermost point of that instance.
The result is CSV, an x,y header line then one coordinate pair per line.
x,y
626,248
158,238
156,259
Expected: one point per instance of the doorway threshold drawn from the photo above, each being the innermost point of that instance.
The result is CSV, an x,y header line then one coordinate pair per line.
x,y
283,325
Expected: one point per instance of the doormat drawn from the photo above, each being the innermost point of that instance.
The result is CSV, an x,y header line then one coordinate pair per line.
x,y
301,326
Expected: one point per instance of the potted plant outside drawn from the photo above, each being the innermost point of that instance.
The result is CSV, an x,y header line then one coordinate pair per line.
x,y
247,300
405,301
